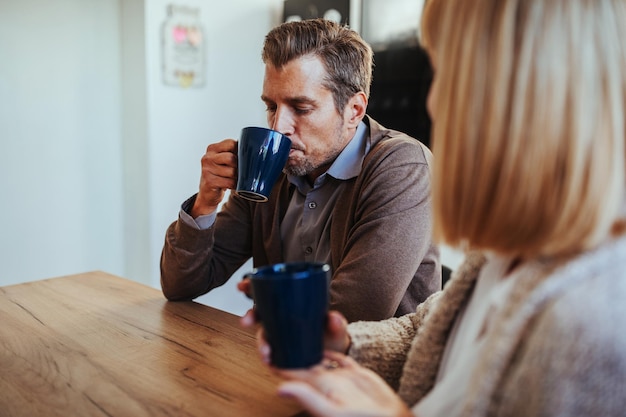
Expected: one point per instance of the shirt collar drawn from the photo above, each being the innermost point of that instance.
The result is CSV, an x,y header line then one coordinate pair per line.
x,y
349,162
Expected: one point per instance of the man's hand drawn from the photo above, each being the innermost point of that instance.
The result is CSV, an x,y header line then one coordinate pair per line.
x,y
219,173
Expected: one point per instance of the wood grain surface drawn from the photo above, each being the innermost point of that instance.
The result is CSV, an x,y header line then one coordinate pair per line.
x,y
95,344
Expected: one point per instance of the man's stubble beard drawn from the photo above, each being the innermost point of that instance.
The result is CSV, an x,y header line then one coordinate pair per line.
x,y
301,169
305,166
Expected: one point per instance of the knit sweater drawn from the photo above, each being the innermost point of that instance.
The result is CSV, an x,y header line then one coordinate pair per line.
x,y
557,348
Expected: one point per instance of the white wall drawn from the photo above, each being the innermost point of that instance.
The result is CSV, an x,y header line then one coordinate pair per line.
x,y
60,166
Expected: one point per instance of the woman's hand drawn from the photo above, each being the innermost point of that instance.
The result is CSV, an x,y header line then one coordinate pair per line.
x,y
339,387
336,337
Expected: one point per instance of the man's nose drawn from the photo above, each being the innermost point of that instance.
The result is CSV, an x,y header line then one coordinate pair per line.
x,y
283,121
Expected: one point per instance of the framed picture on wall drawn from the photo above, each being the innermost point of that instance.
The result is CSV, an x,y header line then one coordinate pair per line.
x,y
183,47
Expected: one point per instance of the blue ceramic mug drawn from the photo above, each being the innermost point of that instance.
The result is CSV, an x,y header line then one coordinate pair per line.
x,y
262,154
291,301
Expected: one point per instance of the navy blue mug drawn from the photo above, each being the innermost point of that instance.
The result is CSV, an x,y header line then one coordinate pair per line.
x,y
291,301
262,154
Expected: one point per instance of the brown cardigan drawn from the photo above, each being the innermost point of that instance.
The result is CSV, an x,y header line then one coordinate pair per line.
x,y
382,257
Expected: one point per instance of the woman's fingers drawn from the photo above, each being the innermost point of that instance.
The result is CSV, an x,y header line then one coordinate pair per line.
x,y
337,337
314,401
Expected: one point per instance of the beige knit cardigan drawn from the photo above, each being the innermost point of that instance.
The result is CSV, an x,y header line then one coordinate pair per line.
x,y
557,348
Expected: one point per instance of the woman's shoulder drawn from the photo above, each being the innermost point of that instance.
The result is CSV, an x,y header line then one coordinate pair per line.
x,y
595,306
591,309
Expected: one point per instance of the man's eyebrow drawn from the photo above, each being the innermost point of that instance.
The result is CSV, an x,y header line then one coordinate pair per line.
x,y
301,100
292,100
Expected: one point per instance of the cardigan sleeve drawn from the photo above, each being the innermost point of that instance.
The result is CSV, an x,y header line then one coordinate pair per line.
x,y
195,261
382,346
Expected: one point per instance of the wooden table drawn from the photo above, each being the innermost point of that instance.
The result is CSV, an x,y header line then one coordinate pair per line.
x,y
98,345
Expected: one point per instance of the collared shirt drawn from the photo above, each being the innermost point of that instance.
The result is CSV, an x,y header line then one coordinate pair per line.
x,y
310,208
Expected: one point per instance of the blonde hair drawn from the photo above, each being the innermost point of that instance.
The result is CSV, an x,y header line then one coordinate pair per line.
x,y
529,133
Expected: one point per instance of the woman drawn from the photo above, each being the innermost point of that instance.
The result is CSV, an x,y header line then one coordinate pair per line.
x,y
529,105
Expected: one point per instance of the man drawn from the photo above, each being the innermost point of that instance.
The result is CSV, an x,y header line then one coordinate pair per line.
x,y
353,194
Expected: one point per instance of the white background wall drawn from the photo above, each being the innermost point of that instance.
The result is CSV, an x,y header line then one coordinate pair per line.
x,y
96,152
60,167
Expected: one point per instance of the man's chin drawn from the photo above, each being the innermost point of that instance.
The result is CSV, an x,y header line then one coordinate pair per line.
x,y
295,170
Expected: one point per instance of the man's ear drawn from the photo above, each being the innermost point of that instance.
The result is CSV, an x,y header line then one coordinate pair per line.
x,y
355,109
